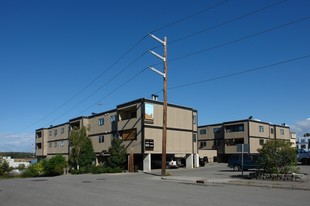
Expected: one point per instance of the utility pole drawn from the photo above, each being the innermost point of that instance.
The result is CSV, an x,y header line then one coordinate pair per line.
x,y
164,75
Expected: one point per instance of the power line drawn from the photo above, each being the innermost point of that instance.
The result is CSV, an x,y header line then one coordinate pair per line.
x,y
239,73
111,79
242,38
190,16
116,89
225,23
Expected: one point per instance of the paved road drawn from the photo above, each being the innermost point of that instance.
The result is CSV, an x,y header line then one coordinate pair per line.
x,y
139,189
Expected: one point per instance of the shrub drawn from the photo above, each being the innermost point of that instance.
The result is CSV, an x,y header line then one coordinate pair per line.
x,y
54,166
278,157
34,170
4,168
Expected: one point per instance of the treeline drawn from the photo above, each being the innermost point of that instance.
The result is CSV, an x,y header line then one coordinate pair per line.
x,y
15,155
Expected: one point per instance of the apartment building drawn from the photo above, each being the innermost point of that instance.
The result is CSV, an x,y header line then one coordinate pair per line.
x,y
227,137
138,123
303,143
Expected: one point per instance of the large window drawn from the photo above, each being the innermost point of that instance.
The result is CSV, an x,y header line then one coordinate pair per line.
x,y
55,132
62,130
282,131
101,121
203,144
217,130
101,139
271,130
128,135
235,128
261,128
194,119
203,131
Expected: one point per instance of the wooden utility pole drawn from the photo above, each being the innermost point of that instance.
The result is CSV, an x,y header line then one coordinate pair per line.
x,y
164,144
164,75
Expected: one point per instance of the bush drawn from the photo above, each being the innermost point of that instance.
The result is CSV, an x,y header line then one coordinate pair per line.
x,y
34,170
54,166
4,168
278,157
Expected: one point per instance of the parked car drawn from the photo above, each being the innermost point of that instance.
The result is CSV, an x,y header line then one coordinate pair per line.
x,y
170,164
249,162
303,156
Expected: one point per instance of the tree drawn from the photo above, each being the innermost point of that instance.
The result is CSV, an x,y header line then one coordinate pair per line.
x,y
278,157
87,154
4,168
117,154
307,135
82,152
54,166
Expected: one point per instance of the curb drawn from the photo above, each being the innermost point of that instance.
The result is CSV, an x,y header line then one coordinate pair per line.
x,y
203,182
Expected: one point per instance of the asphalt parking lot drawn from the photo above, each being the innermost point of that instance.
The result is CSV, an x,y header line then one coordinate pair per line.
x,y
142,188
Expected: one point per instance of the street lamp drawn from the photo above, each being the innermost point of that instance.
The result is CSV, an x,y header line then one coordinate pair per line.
x,y
164,75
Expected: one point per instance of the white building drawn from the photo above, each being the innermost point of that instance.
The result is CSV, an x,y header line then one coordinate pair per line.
x,y
303,143
14,164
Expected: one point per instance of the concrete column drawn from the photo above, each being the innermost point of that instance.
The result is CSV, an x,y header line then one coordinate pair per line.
x,y
189,161
147,163
196,160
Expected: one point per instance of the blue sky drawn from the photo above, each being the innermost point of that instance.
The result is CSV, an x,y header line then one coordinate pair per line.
x,y
227,59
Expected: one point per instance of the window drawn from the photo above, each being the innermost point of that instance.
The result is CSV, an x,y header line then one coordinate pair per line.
x,y
235,128
282,131
55,144
261,128
194,119
101,139
62,143
55,132
203,144
49,144
194,138
114,135
101,121
203,131
271,130
216,130
261,142
50,133
113,118
62,130
217,142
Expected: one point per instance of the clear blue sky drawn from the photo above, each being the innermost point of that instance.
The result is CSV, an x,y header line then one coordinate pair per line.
x,y
250,57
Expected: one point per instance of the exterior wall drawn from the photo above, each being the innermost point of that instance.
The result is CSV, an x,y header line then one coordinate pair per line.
x,y
134,123
41,140
229,135
58,142
129,122
103,127
181,130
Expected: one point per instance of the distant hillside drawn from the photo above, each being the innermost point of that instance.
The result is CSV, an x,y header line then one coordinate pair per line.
x,y
17,154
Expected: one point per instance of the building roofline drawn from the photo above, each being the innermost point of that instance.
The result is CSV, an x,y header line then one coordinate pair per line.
x,y
244,120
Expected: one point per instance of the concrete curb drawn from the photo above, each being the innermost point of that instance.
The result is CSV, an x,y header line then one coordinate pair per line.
x,y
262,183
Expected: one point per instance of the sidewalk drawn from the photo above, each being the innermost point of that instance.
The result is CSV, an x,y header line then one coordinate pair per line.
x,y
220,176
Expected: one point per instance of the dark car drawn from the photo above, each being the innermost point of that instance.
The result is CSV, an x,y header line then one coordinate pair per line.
x,y
249,162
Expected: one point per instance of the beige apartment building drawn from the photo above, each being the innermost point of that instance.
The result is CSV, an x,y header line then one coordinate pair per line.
x,y
228,137
139,124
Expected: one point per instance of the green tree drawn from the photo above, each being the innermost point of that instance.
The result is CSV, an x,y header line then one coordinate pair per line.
x,y
4,168
117,154
307,135
82,152
77,138
278,157
87,154
54,166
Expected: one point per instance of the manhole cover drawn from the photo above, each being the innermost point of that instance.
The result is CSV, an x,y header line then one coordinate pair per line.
x,y
39,180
